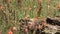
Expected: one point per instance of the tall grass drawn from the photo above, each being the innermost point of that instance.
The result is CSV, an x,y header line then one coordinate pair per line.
x,y
29,7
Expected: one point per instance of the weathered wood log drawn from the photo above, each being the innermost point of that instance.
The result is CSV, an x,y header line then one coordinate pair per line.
x,y
53,24
53,21
52,28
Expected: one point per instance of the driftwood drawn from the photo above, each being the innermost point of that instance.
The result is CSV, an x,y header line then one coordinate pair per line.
x,y
53,24
52,29
53,20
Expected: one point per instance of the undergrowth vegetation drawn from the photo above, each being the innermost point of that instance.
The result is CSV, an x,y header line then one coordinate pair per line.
x,y
13,10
